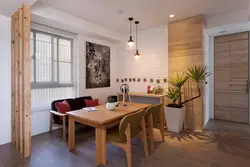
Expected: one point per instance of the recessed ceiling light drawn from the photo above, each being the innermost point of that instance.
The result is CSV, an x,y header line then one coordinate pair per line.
x,y
171,16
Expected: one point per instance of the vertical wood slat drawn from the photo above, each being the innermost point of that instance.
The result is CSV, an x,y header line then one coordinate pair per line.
x,y
26,53
21,81
13,140
20,44
16,94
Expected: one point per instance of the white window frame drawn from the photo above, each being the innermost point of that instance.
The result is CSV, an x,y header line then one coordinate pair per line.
x,y
53,83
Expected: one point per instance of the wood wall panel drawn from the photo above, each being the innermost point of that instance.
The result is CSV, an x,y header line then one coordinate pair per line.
x,y
185,50
20,59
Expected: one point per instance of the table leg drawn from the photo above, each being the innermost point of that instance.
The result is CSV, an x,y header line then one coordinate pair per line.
x,y
100,146
71,139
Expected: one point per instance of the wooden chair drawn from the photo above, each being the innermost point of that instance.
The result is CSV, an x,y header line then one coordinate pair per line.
x,y
131,126
153,119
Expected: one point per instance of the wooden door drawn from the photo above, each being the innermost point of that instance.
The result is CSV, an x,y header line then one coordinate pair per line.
x,y
222,81
239,81
231,77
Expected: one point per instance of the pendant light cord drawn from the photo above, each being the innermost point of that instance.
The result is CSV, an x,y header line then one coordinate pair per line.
x,y
130,28
136,37
136,34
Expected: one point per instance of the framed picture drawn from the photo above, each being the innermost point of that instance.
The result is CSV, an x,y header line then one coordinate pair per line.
x,y
97,66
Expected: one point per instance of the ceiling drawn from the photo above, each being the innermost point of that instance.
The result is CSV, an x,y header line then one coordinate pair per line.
x,y
113,14
8,7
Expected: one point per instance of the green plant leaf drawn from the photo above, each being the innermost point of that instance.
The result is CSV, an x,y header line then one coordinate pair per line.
x,y
179,80
173,94
198,73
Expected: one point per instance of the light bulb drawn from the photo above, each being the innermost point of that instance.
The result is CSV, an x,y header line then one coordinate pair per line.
x,y
137,56
130,43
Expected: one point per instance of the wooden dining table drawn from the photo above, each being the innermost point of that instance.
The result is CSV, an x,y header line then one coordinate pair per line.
x,y
101,120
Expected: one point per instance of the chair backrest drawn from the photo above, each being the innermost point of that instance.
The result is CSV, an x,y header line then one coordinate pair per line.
x,y
135,121
156,113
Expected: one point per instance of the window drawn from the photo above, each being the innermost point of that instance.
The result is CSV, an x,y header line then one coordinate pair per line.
x,y
51,68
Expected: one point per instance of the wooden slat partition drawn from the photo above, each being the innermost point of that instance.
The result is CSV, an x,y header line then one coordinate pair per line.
x,y
21,80
185,50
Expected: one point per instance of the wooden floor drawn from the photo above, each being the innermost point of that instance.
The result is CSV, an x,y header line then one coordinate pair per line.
x,y
223,144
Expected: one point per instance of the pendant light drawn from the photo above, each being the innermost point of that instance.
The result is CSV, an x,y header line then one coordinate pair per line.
x,y
137,54
130,41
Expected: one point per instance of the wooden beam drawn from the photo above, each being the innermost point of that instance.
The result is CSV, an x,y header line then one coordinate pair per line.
x,y
16,94
21,64
26,88
13,139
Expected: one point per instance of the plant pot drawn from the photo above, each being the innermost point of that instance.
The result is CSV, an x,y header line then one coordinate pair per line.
x,y
175,118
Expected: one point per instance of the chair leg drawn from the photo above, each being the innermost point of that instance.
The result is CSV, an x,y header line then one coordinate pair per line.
x,y
50,123
151,133
64,128
127,147
152,143
144,138
162,122
128,155
162,133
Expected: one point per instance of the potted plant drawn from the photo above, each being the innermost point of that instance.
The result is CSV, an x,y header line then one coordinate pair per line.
x,y
175,111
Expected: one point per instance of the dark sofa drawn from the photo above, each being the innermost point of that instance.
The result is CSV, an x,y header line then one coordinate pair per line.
x,y
59,119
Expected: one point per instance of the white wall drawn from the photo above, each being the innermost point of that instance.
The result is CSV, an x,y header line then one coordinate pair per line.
x,y
207,92
153,63
5,75
239,16
100,93
211,78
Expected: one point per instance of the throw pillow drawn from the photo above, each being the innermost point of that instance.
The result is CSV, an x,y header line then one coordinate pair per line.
x,y
63,107
91,103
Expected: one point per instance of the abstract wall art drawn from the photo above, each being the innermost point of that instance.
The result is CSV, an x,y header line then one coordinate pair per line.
x,y
97,66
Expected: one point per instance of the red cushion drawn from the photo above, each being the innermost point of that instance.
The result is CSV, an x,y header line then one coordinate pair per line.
x,y
63,107
91,103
